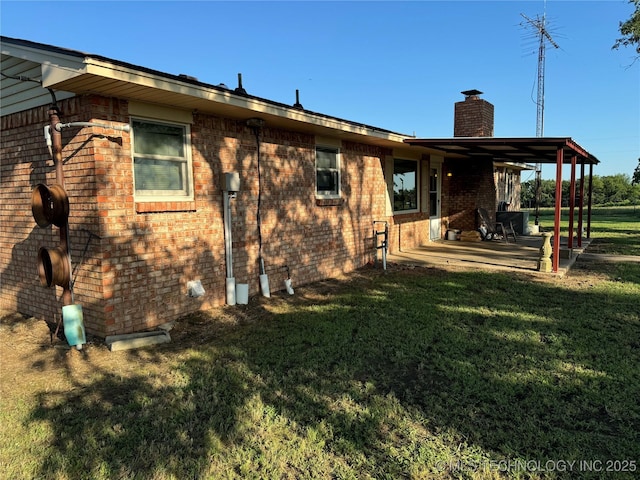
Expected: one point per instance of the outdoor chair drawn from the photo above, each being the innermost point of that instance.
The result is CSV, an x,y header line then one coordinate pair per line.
x,y
493,229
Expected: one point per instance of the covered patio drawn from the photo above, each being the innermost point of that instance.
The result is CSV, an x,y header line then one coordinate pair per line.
x,y
539,150
488,255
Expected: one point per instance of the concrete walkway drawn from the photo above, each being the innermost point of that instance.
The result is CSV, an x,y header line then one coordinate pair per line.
x,y
606,258
492,255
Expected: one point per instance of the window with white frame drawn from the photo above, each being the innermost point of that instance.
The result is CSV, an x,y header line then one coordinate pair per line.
x,y
161,160
405,185
327,172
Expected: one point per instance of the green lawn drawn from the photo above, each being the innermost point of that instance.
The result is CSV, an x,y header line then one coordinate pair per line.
x,y
417,373
615,230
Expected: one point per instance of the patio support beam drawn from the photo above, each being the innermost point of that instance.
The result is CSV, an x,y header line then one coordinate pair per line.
x,y
581,205
558,210
572,199
590,200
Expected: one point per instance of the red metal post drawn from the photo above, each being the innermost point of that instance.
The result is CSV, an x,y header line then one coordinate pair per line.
x,y
581,205
572,198
590,200
558,210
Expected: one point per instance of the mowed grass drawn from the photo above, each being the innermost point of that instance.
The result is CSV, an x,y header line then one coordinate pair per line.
x,y
417,373
615,230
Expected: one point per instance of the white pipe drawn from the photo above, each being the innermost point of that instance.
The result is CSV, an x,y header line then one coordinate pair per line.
x,y
384,257
47,138
122,128
264,285
230,287
228,247
227,232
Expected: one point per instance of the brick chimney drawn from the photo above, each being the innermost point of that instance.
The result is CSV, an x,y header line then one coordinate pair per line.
x,y
473,117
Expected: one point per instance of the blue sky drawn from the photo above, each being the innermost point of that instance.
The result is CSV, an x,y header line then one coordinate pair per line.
x,y
394,65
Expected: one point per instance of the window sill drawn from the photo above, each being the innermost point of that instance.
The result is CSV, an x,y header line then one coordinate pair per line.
x,y
329,202
405,212
157,207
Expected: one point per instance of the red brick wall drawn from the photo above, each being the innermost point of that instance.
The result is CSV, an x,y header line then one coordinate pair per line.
x,y
470,186
25,163
408,231
134,277
473,117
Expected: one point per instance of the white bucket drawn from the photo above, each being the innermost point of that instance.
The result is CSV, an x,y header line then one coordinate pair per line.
x,y
452,234
242,293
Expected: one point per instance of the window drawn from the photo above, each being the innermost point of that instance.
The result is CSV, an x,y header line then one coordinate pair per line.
x,y
162,160
327,172
405,185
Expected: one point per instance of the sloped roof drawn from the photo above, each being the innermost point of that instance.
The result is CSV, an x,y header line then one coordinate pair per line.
x,y
73,72
65,70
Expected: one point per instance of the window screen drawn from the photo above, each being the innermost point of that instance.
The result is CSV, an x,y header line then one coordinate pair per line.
x,y
327,171
161,162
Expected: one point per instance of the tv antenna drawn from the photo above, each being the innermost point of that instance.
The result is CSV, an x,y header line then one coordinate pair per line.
x,y
539,26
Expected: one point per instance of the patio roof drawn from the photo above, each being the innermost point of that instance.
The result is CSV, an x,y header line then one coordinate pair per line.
x,y
553,150
508,149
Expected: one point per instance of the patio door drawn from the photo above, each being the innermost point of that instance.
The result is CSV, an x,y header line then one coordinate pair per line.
x,y
435,183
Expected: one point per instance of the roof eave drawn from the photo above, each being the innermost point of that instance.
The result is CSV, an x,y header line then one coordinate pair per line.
x,y
99,76
515,149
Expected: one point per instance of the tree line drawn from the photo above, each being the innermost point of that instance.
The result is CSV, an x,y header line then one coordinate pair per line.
x,y
607,190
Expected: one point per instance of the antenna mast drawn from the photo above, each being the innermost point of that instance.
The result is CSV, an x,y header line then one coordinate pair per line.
x,y
540,27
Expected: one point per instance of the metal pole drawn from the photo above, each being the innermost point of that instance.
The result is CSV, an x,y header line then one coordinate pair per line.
x,y
558,209
590,200
581,206
56,139
572,199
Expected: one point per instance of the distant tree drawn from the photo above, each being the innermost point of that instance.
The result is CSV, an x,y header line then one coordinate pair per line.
x,y
617,188
611,189
630,31
636,175
634,196
528,194
597,190
548,194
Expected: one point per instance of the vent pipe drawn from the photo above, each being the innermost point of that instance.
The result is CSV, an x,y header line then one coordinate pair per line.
x,y
240,90
298,105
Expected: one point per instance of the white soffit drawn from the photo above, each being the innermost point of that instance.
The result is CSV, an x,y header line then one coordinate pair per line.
x,y
105,78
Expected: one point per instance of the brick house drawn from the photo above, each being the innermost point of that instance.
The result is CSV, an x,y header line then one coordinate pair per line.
x,y
144,158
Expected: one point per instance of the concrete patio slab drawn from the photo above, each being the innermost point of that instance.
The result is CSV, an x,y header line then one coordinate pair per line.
x,y
491,255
